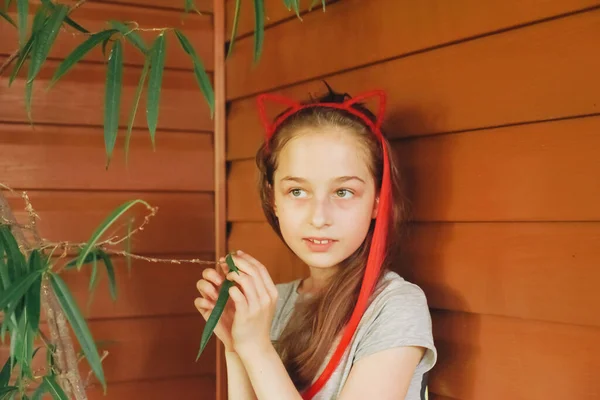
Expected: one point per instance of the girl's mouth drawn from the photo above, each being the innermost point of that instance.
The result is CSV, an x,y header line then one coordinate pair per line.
x,y
319,245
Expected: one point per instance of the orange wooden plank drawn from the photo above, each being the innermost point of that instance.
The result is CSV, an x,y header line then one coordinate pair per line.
x,y
353,32
542,271
494,358
143,348
44,158
196,388
275,12
94,16
201,5
261,242
470,85
530,172
183,223
78,99
137,291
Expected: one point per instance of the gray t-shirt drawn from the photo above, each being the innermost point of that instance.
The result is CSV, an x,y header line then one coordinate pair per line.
x,y
398,315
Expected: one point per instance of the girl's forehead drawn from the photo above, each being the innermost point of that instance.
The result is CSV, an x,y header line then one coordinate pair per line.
x,y
323,153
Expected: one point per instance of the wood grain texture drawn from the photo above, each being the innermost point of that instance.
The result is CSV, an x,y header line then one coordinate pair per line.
x,y
53,157
94,16
537,271
275,12
531,172
184,222
354,32
143,348
470,85
202,5
195,388
78,99
150,289
261,242
504,358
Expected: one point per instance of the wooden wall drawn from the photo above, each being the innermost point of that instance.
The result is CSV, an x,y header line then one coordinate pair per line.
x,y
494,113
153,329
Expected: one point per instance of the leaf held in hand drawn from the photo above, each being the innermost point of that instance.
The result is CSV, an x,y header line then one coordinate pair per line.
x,y
112,99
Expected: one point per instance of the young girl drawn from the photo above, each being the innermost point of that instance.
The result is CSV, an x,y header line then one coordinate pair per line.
x,y
353,329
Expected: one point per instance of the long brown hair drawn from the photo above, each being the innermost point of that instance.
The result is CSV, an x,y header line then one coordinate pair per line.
x,y
316,321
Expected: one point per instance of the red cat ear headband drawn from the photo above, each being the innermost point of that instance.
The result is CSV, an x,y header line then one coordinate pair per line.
x,y
377,251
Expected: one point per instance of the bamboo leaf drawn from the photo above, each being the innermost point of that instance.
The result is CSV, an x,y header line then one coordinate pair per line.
x,y
23,54
79,52
190,6
217,311
110,270
315,2
130,35
54,388
157,63
17,290
296,6
104,44
103,227
5,374
79,326
16,259
136,102
288,4
41,389
259,28
114,79
25,346
201,76
7,392
69,21
46,37
34,292
94,279
22,14
236,17
8,18
91,257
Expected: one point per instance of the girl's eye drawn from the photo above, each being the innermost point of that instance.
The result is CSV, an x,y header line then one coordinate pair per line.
x,y
296,192
344,193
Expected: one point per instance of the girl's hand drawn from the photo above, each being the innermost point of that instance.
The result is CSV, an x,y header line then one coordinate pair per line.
x,y
255,300
209,288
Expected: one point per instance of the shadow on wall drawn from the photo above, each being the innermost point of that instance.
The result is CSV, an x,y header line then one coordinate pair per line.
x,y
422,249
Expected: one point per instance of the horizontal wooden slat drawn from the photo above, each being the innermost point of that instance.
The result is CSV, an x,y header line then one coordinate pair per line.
x,y
542,271
144,348
469,85
503,358
137,291
196,388
78,99
202,5
530,172
261,242
94,16
355,32
53,157
275,11
183,223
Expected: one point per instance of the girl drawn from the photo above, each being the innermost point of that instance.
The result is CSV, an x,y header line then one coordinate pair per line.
x,y
353,329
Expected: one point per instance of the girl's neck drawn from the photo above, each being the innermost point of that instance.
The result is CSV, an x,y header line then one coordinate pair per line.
x,y
316,281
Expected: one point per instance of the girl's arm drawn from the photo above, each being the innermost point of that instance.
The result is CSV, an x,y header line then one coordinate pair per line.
x,y
238,383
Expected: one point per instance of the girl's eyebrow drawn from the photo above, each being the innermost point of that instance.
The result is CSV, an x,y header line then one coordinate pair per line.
x,y
340,179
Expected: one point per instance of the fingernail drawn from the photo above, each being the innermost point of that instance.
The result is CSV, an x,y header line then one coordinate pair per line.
x,y
239,252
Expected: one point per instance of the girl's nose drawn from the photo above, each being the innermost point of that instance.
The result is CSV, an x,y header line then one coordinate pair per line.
x,y
320,213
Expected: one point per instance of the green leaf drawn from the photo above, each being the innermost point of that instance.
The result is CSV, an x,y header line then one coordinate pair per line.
x,y
315,2
136,102
22,14
91,257
23,54
296,6
17,290
104,44
216,313
24,347
69,21
79,326
54,388
130,35
236,17
110,270
5,373
46,39
79,52
16,259
259,28
103,227
201,76
8,18
288,4
114,79
93,280
190,6
41,389
34,292
231,264
157,63
7,392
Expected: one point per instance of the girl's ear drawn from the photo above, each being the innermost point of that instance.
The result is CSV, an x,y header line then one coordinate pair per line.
x,y
375,208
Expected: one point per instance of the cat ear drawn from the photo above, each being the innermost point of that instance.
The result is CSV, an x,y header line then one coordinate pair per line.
x,y
263,100
379,111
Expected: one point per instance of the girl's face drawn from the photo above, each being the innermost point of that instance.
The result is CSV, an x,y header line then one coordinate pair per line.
x,y
324,195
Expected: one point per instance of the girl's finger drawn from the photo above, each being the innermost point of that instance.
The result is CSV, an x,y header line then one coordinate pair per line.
x,y
211,274
238,299
207,289
248,286
203,304
259,272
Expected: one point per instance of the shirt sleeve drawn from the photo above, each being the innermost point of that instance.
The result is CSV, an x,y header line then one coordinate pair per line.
x,y
403,319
